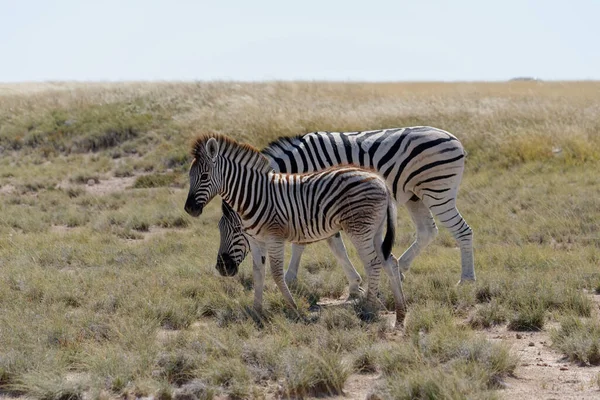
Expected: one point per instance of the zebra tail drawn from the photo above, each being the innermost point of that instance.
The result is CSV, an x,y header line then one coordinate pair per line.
x,y
390,234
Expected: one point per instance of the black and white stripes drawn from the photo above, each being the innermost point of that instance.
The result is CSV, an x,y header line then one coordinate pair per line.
x,y
422,165
299,208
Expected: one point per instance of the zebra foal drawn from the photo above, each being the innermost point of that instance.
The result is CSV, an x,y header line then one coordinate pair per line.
x,y
299,208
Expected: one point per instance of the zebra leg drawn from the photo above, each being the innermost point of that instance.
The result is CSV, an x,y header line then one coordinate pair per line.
x,y
336,244
276,255
426,231
258,272
368,255
292,272
451,219
390,267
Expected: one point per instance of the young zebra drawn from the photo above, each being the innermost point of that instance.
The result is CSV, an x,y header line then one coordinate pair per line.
x,y
299,208
423,165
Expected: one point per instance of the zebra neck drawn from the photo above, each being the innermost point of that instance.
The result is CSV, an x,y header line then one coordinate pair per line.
x,y
242,183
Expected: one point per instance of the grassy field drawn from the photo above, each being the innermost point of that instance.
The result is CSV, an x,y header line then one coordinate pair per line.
x,y
108,289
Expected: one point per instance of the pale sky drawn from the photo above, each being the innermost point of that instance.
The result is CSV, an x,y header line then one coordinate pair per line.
x,y
368,40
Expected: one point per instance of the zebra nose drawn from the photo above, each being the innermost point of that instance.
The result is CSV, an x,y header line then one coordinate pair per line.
x,y
192,208
226,265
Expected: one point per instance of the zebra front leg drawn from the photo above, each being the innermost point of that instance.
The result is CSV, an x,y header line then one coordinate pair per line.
x,y
258,272
291,275
336,244
276,255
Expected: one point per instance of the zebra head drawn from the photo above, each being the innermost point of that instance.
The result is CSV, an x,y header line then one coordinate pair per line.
x,y
204,182
234,244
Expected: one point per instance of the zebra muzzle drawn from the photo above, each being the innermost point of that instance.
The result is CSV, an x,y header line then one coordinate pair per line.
x,y
192,208
226,265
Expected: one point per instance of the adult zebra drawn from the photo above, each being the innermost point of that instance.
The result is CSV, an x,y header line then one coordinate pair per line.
x,y
299,208
423,166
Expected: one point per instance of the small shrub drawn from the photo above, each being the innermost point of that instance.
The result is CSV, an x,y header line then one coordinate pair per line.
x,y
231,375
431,383
396,359
173,220
177,368
529,318
487,292
138,224
128,234
11,365
193,390
309,292
83,178
339,318
579,340
176,159
262,359
488,314
50,386
173,315
123,171
316,267
311,373
364,360
577,302
155,180
366,311
74,192
422,318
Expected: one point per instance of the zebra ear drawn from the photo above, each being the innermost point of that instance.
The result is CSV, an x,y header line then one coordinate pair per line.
x,y
212,148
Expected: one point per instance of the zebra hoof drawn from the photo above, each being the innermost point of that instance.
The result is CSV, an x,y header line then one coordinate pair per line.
x,y
464,281
400,317
356,294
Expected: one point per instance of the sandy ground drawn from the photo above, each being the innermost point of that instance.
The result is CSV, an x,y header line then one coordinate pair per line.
x,y
110,185
544,373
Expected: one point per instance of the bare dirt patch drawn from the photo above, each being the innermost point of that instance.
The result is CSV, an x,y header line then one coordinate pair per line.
x,y
7,189
543,373
358,386
62,229
110,185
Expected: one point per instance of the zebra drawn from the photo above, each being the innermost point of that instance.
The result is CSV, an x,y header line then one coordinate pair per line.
x,y
423,165
300,208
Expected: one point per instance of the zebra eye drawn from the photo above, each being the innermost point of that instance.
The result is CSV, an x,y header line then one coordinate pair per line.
x,y
204,176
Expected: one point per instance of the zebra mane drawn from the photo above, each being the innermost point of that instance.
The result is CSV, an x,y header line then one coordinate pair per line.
x,y
232,149
282,142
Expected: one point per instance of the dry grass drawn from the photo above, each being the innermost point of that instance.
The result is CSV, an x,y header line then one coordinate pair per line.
x,y
112,292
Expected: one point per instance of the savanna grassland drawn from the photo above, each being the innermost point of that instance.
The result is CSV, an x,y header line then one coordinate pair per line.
x,y
108,288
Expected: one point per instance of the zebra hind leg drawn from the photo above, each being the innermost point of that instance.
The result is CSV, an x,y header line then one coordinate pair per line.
x,y
426,231
336,244
451,219
390,266
365,248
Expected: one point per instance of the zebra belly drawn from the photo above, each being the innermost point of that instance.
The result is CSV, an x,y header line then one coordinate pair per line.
x,y
291,233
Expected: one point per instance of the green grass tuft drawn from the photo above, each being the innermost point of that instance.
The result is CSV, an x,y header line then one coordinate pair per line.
x,y
156,180
579,340
529,318
311,373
